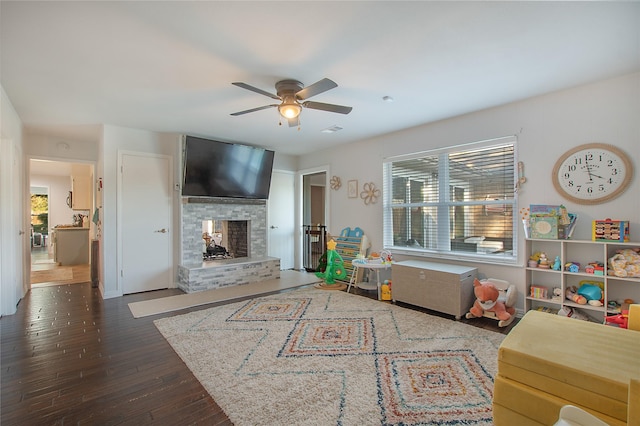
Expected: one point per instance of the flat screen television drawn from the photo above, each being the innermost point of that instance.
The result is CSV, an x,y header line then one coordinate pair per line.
x,y
221,169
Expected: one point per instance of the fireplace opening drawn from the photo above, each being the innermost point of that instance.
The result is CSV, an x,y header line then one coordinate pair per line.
x,y
225,239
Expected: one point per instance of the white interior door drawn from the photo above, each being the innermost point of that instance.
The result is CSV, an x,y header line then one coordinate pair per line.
x,y
145,217
281,218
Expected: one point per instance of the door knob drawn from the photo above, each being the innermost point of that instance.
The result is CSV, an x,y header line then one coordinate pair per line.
x,y
162,231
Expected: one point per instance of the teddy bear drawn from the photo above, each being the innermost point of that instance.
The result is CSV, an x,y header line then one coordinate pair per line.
x,y
487,300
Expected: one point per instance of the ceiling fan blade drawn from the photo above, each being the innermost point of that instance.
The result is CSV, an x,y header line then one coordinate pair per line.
x,y
255,89
315,89
327,107
235,114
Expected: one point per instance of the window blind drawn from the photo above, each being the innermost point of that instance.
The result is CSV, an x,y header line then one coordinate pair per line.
x,y
460,200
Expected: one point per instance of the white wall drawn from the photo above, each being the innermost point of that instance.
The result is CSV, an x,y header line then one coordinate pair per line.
x,y
63,148
285,162
13,247
546,127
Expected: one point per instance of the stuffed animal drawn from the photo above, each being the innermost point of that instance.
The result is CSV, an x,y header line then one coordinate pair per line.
x,y
572,294
487,301
626,263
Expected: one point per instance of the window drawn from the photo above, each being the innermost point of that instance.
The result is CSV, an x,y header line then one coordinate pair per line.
x,y
457,202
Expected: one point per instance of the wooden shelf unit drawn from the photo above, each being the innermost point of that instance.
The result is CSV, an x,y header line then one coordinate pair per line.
x,y
583,252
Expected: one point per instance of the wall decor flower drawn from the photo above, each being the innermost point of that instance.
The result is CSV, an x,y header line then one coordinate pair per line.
x,y
335,183
369,193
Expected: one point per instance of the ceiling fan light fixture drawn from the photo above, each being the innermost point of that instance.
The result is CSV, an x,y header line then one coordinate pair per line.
x,y
289,108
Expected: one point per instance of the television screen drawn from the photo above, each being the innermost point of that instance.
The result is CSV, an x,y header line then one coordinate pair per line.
x,y
220,169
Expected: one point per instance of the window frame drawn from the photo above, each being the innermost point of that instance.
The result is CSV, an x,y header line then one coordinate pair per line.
x,y
444,203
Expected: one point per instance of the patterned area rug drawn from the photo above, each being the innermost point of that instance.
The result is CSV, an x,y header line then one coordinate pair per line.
x,y
313,357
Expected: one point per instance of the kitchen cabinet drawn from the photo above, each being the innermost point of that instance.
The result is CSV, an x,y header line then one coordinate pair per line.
x,y
81,188
71,246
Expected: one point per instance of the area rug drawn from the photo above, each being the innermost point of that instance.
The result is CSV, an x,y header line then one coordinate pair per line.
x,y
315,357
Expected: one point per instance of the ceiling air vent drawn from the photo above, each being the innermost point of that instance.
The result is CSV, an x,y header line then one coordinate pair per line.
x,y
331,129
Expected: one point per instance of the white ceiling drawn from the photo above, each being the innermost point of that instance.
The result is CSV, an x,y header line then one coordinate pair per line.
x,y
168,66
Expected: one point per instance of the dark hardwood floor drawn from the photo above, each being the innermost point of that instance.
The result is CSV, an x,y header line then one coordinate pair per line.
x,y
69,357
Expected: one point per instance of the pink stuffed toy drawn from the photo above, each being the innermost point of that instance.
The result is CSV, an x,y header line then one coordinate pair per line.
x,y
487,301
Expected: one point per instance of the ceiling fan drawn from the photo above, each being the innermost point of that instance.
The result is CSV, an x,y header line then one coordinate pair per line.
x,y
291,93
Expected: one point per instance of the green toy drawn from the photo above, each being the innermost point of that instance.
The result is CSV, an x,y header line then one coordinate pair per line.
x,y
334,266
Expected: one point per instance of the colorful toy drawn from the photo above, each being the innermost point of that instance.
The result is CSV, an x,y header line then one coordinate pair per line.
x,y
543,262
535,257
385,290
610,230
621,319
596,268
572,294
334,266
572,267
386,256
556,264
489,302
592,292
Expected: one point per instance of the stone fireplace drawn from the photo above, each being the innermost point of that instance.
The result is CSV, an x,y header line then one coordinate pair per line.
x,y
195,274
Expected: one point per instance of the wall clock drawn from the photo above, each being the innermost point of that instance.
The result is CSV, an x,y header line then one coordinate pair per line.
x,y
592,173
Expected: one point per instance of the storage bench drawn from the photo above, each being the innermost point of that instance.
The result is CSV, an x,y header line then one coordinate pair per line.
x,y
437,286
547,361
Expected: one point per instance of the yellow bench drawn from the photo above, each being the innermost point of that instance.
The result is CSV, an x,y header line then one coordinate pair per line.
x,y
548,361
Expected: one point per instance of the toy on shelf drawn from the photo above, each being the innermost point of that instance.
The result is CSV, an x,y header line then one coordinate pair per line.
x,y
538,292
610,230
494,299
556,264
622,319
572,294
534,259
572,267
595,268
625,263
557,294
592,291
613,306
543,262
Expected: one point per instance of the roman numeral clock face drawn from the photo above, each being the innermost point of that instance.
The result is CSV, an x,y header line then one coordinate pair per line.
x,y
592,173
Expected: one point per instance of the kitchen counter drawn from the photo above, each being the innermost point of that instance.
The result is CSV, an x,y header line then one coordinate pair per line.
x,y
71,245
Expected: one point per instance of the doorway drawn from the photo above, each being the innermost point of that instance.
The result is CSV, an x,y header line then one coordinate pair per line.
x,y
49,184
314,216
